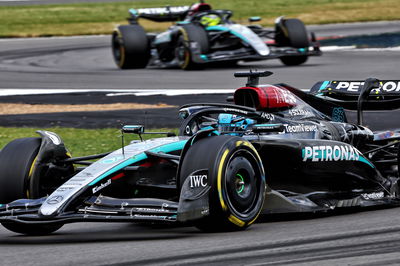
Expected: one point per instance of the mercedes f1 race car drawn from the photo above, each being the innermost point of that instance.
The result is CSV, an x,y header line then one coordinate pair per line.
x,y
276,149
202,36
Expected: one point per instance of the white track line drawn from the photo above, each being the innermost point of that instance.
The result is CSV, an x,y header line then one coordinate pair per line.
x,y
354,48
115,92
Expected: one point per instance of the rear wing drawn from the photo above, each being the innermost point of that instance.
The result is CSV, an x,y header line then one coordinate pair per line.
x,y
160,14
346,93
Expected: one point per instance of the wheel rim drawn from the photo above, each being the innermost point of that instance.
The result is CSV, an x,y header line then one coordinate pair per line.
x,y
116,47
242,184
181,52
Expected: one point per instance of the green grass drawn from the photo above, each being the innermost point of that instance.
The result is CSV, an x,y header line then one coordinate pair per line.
x,y
101,18
79,141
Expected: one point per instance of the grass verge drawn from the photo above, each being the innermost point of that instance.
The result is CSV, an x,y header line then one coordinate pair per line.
x,y
101,18
80,141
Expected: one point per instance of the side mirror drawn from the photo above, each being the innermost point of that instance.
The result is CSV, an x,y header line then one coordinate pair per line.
x,y
254,19
135,129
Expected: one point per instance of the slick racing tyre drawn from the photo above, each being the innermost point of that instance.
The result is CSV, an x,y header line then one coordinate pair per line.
x,y
236,178
16,164
32,229
188,34
130,47
22,177
293,33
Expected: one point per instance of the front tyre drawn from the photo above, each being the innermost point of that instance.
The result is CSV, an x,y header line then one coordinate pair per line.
x,y
293,33
236,177
294,60
130,47
188,34
16,164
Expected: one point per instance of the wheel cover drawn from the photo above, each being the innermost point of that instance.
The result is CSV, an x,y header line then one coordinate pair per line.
x,y
242,184
182,53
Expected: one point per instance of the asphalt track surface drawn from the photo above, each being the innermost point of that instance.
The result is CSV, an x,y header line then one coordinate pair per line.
x,y
85,63
353,238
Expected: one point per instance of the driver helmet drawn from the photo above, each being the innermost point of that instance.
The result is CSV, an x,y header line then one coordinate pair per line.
x,y
199,7
210,20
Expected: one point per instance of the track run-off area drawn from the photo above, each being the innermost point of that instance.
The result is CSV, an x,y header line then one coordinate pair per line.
x,y
81,64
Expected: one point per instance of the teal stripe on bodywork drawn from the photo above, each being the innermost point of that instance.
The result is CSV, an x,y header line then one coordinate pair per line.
x,y
324,85
364,160
222,28
175,146
267,125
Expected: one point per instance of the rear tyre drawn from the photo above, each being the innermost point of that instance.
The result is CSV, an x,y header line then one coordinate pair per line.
x,y
187,34
130,47
293,33
236,177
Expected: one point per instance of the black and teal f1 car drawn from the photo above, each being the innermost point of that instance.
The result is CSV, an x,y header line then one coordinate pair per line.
x,y
204,36
274,150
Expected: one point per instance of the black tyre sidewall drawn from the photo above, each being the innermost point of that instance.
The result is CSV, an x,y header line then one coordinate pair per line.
x,y
211,153
133,45
297,33
16,161
294,35
294,60
192,33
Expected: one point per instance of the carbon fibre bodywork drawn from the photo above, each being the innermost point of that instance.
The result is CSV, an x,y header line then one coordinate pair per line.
x,y
295,146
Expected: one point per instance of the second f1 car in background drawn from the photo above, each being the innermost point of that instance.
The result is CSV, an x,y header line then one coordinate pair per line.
x,y
202,36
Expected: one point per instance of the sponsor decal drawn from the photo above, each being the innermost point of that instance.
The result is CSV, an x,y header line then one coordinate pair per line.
x,y
197,181
356,86
284,96
65,188
268,116
149,210
101,186
373,196
330,153
300,128
300,112
333,153
153,216
55,200
162,10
